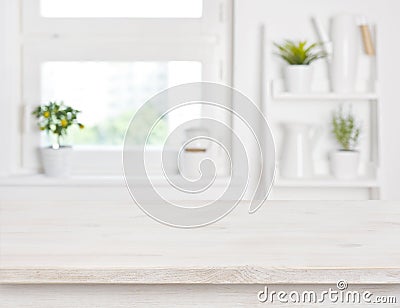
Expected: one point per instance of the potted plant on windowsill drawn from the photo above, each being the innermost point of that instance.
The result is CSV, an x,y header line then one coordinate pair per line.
x,y
345,161
299,55
56,119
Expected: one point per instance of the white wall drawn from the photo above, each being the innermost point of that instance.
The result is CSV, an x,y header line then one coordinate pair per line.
x,y
3,85
293,16
9,85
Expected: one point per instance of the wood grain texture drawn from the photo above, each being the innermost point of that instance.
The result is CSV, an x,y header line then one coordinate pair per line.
x,y
124,296
190,275
308,242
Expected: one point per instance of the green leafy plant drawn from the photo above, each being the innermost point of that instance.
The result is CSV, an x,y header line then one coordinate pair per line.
x,y
299,52
56,119
345,129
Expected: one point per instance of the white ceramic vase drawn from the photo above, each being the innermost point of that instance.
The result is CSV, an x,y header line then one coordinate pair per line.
x,y
56,162
344,36
297,150
344,164
298,78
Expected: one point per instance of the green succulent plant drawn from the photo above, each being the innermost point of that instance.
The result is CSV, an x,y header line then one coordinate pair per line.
x,y
56,118
299,52
345,129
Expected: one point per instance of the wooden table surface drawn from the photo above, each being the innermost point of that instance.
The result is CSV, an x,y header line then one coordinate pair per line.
x,y
285,242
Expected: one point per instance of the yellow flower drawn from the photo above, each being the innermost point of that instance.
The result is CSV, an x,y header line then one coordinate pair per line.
x,y
64,123
46,114
42,128
81,126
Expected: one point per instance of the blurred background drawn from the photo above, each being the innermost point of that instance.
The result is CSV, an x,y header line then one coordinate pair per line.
x,y
107,58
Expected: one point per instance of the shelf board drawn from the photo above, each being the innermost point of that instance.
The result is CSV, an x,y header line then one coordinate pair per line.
x,y
278,93
362,182
324,96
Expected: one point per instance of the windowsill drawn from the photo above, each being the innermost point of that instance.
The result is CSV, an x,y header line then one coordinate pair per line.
x,y
81,180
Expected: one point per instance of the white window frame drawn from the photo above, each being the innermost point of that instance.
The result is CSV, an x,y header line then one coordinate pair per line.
x,y
216,13
206,39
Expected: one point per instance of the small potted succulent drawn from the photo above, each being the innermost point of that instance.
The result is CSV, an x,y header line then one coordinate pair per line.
x,y
56,119
298,55
345,161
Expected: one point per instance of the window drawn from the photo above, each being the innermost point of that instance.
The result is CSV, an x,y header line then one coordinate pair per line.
x,y
122,8
117,89
106,58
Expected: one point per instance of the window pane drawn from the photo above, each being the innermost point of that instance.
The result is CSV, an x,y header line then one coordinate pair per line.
x,y
122,8
108,94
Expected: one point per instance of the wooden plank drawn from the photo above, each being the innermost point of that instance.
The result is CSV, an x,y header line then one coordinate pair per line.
x,y
284,242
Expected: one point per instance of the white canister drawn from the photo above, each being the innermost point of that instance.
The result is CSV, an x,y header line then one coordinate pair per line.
x,y
298,78
190,164
345,53
194,152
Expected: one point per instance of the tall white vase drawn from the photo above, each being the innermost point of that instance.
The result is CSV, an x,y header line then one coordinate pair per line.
x,y
297,149
345,53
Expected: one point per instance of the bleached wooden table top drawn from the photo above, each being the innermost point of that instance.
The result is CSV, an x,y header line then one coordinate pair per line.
x,y
284,242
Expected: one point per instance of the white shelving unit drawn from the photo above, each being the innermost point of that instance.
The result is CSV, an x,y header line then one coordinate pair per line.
x,y
277,103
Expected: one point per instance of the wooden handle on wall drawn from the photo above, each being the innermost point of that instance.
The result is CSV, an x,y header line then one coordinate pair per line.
x,y
367,40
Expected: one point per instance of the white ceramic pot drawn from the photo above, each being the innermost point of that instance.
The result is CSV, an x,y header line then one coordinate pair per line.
x,y
345,37
298,78
344,164
56,162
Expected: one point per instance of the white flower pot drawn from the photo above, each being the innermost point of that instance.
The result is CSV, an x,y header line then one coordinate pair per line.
x,y
56,163
344,164
298,78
